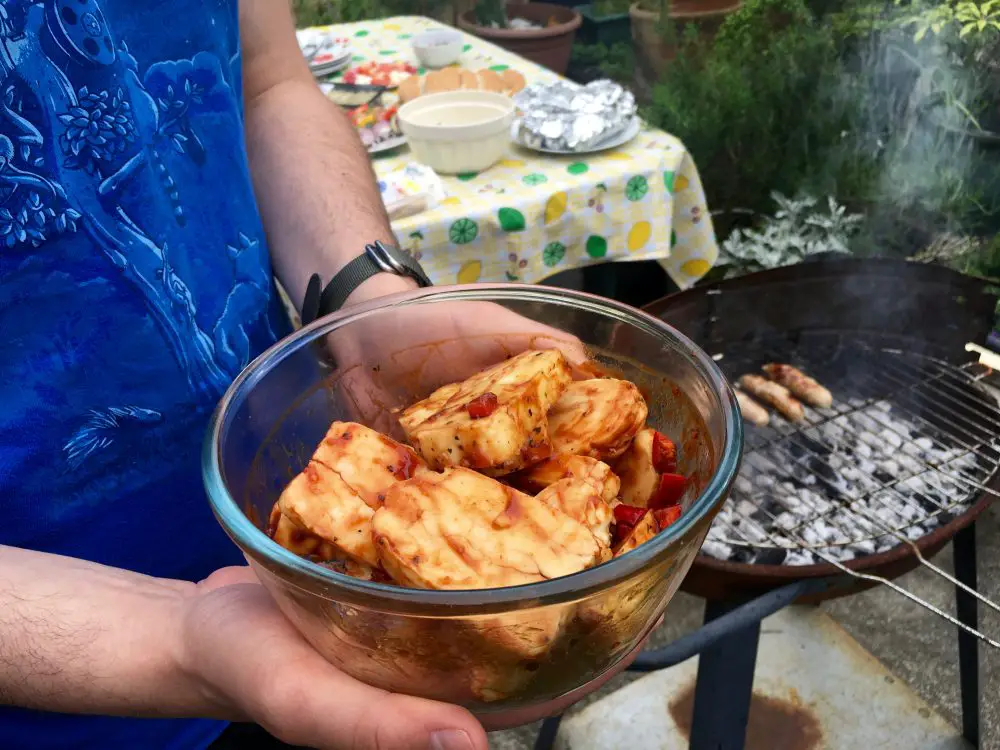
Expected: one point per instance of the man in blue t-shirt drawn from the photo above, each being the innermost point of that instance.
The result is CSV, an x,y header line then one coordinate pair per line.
x,y
135,283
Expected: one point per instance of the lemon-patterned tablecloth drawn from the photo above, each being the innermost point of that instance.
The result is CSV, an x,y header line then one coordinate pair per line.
x,y
532,215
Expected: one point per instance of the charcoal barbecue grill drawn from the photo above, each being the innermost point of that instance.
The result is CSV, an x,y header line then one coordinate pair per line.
x,y
855,495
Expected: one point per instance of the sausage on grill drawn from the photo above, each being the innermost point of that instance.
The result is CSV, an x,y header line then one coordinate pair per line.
x,y
774,394
751,410
801,385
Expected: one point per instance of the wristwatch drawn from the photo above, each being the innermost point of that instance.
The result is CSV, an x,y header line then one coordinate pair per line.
x,y
377,258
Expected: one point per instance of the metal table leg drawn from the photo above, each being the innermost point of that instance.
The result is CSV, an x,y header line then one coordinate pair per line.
x,y
967,610
728,626
725,686
547,735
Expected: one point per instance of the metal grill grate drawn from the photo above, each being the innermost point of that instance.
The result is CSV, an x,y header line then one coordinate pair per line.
x,y
811,492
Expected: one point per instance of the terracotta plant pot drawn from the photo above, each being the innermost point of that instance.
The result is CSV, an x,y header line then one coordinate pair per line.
x,y
549,46
653,51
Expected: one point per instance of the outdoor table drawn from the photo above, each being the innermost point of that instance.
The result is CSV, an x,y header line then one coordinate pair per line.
x,y
532,214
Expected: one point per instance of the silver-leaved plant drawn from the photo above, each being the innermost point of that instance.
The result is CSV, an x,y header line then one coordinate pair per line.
x,y
797,230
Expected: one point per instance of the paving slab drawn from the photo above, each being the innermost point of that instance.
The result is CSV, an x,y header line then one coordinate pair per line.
x,y
815,688
913,644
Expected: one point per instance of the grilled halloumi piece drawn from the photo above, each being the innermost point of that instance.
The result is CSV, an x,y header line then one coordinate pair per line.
x,y
296,539
336,495
321,501
494,421
641,533
367,460
563,466
597,418
801,385
650,455
751,410
582,501
462,530
356,569
774,394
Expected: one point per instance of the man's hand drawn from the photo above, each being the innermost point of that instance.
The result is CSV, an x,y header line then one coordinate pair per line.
x,y
77,637
389,360
254,665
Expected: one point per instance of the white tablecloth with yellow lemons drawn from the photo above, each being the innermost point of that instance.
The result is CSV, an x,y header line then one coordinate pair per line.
x,y
532,214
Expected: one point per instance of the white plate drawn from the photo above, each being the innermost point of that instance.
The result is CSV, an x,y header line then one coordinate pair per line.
x,y
613,141
333,66
388,145
317,42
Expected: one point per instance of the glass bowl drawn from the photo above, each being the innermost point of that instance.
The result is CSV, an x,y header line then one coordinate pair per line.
x,y
467,647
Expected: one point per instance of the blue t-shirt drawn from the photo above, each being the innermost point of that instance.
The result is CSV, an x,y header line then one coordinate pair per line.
x,y
134,286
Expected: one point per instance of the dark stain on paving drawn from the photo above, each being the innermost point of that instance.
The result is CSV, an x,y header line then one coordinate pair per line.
x,y
773,723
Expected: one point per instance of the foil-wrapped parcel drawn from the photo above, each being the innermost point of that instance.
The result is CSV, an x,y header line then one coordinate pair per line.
x,y
565,116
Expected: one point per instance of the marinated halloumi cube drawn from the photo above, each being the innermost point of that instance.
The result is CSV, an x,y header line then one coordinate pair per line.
x,y
495,421
562,466
321,501
462,530
581,500
346,480
641,468
597,418
367,460
296,539
644,530
356,569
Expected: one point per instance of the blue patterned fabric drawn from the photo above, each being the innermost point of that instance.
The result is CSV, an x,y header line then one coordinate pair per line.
x,y
134,286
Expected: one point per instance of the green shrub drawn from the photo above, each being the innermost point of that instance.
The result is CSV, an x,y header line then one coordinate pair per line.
x,y
763,109
603,8
322,12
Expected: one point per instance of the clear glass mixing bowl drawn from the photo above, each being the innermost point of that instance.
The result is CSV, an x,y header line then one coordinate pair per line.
x,y
455,645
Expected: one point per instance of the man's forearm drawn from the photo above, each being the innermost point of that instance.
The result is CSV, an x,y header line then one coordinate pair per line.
x,y
314,184
83,638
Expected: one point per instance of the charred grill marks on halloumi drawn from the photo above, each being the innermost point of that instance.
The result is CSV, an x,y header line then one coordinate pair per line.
x,y
495,421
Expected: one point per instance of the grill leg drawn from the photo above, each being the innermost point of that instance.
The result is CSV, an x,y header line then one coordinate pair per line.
x,y
547,734
966,606
725,686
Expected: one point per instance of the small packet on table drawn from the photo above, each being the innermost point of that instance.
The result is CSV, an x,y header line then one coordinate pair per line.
x,y
411,189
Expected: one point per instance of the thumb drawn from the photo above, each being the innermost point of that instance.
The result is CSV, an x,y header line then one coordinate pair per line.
x,y
349,715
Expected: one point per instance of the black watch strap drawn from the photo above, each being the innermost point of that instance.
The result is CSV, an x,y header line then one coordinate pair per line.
x,y
374,260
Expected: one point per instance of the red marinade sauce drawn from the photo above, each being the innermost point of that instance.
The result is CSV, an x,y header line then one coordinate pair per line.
x,y
483,406
405,465
620,533
380,576
535,452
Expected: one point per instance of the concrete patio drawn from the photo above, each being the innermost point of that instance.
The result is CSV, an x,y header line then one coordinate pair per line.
x,y
898,662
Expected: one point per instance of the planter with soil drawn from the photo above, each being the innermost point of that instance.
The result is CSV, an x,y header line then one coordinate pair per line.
x,y
653,51
549,42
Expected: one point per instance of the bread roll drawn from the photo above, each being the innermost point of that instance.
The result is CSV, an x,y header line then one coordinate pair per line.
x,y
508,82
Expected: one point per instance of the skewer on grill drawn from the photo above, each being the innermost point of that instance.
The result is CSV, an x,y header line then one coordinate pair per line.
x,y
751,410
801,385
774,394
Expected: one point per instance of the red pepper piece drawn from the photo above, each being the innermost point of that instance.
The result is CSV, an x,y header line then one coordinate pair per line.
x,y
665,517
629,514
664,454
620,533
483,406
670,491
